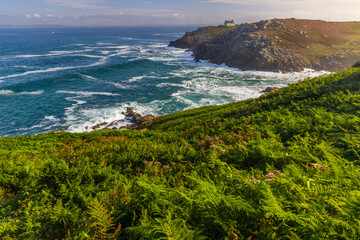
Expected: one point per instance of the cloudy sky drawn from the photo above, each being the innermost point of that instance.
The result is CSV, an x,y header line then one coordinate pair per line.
x,y
169,12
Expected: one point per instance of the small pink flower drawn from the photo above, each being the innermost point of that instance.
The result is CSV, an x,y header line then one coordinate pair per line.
x,y
166,166
213,146
252,177
270,175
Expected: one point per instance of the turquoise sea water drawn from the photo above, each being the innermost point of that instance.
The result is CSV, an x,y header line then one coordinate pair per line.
x,y
74,78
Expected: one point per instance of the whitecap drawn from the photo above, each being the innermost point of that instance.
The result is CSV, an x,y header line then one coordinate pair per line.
x,y
138,78
51,53
47,123
104,44
6,92
87,94
37,71
12,93
31,93
118,85
51,118
100,62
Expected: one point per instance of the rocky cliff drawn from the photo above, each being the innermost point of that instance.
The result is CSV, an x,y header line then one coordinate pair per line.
x,y
277,45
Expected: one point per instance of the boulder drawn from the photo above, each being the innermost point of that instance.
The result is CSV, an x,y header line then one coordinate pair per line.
x,y
270,89
98,126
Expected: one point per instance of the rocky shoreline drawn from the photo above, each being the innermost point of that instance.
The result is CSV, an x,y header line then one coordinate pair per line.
x,y
287,45
132,120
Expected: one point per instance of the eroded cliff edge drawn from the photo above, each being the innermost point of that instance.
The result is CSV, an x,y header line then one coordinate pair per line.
x,y
285,45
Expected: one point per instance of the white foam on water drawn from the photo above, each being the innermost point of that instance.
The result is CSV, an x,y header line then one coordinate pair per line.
x,y
118,47
22,66
71,109
88,56
51,118
118,85
87,94
12,93
138,78
100,62
37,71
161,85
50,54
78,44
6,92
31,93
47,123
104,44
83,120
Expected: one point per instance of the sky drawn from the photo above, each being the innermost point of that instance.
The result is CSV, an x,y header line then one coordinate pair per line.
x,y
169,12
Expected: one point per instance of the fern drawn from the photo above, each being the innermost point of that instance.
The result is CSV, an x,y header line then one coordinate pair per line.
x,y
102,222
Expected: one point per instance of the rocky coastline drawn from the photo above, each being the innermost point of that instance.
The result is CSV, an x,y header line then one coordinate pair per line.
x,y
287,45
132,120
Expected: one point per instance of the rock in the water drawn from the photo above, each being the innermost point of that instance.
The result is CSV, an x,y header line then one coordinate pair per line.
x,y
98,126
130,115
137,118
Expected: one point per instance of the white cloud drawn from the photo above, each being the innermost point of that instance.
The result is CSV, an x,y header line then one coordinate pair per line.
x,y
37,15
89,4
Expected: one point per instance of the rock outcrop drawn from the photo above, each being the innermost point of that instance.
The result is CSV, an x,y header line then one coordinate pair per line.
x,y
285,45
132,120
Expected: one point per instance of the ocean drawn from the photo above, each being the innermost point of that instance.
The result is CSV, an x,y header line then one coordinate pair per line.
x,y
75,78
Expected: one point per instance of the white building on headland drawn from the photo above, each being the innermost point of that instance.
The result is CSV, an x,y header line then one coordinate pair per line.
x,y
229,23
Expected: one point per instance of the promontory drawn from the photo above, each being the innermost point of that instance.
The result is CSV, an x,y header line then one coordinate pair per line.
x,y
284,45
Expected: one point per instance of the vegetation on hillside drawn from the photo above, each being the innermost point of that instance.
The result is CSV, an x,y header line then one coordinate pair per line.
x,y
282,166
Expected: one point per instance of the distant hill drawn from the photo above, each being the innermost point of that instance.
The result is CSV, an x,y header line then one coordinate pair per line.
x,y
277,45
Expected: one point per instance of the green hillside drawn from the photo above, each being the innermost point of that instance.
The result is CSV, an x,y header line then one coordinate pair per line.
x,y
282,166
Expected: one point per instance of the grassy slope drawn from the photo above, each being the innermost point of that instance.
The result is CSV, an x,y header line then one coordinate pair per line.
x,y
207,173
321,38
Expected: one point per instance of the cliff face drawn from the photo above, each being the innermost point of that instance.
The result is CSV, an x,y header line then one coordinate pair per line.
x,y
277,45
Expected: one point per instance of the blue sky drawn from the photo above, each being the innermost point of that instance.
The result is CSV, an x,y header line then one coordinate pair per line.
x,y
170,12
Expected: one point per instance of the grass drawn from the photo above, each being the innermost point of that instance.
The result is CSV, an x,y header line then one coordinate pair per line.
x,y
282,166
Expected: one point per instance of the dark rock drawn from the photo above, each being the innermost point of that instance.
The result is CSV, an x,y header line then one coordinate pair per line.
x,y
356,65
115,122
148,118
270,89
98,126
129,112
135,120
